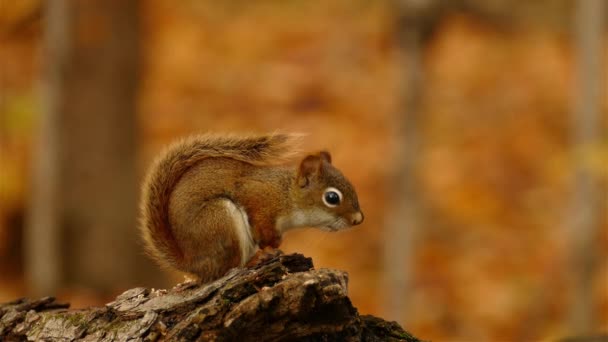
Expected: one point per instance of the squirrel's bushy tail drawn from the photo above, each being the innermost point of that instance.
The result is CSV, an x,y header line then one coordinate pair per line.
x,y
181,156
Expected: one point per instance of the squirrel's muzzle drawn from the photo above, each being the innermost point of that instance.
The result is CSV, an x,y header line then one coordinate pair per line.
x,y
356,218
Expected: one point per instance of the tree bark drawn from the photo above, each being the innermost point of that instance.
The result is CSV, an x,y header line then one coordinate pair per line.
x,y
283,298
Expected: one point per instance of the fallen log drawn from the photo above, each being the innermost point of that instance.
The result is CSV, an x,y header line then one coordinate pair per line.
x,y
283,298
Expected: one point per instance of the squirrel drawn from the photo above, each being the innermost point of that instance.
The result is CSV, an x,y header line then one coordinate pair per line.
x,y
209,202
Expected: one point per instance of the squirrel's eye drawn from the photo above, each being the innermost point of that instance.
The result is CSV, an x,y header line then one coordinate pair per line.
x,y
332,197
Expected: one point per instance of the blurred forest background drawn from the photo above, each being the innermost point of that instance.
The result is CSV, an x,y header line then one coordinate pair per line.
x,y
474,131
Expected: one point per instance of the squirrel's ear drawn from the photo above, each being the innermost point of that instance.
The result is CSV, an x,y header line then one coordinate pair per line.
x,y
310,167
325,156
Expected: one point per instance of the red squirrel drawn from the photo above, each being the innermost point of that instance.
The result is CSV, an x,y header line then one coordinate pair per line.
x,y
210,202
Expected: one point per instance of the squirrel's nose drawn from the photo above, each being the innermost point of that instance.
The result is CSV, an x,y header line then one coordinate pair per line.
x,y
357,218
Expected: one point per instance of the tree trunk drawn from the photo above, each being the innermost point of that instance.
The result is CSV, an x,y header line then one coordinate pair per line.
x,y
415,22
587,203
81,229
279,299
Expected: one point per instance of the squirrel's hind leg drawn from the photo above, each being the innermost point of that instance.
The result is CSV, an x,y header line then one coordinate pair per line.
x,y
221,241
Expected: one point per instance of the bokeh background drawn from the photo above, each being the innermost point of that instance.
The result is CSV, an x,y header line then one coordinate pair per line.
x,y
474,132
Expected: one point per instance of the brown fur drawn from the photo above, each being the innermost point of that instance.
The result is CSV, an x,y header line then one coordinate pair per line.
x,y
176,160
202,190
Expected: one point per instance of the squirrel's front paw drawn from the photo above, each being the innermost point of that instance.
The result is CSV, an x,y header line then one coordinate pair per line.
x,y
189,282
263,255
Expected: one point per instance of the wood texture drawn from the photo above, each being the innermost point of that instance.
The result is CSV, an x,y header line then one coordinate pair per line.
x,y
283,298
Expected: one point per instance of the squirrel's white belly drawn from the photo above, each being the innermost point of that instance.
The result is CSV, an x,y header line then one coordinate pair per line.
x,y
242,230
